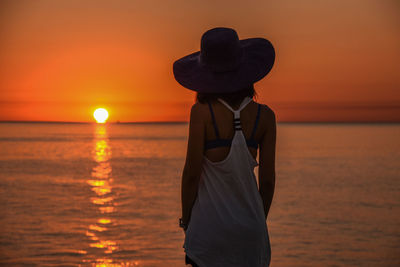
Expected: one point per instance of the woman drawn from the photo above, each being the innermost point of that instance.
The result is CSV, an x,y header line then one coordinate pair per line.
x,y
223,211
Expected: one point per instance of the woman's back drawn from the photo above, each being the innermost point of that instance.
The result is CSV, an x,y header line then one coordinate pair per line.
x,y
224,120
228,216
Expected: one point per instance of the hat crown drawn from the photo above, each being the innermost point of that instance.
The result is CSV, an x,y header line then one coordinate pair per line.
x,y
224,63
220,49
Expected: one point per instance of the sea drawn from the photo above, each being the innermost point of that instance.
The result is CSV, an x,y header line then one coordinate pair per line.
x,y
83,194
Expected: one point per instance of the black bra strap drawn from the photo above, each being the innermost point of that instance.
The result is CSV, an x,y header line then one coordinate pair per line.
x,y
213,119
256,123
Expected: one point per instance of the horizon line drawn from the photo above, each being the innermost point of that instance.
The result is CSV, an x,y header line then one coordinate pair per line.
x,y
185,122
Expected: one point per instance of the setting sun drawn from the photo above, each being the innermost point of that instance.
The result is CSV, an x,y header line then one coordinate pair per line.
x,y
100,115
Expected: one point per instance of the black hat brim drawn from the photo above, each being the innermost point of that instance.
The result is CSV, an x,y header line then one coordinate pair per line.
x,y
258,60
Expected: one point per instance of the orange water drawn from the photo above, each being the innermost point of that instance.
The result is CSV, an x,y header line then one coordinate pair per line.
x,y
109,195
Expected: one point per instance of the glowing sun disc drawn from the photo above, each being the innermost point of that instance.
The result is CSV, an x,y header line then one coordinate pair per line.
x,y
100,115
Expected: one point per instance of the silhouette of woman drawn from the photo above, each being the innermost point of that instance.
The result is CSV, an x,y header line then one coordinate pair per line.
x,y
224,212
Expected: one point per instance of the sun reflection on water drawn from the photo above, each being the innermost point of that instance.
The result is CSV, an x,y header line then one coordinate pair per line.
x,y
101,246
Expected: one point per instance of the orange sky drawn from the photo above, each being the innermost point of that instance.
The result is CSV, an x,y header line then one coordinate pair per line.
x,y
59,60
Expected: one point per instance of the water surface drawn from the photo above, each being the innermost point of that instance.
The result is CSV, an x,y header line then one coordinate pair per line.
x,y
109,195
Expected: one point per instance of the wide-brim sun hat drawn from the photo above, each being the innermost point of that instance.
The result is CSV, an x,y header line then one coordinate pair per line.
x,y
225,64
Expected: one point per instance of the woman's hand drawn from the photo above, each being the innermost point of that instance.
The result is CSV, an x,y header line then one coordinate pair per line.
x,y
183,224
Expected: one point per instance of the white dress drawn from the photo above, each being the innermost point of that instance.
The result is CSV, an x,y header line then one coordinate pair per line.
x,y
227,227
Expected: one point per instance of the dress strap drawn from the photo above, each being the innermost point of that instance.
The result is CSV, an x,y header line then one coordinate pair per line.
x,y
213,119
256,123
244,103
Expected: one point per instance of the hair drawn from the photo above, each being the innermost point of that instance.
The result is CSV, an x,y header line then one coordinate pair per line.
x,y
231,98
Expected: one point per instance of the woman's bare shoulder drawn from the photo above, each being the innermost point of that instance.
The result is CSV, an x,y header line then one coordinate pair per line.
x,y
199,107
266,113
267,119
199,110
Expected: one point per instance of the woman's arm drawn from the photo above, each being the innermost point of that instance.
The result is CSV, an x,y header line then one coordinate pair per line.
x,y
194,157
266,169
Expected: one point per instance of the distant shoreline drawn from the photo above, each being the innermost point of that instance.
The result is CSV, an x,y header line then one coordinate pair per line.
x,y
78,122
185,122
